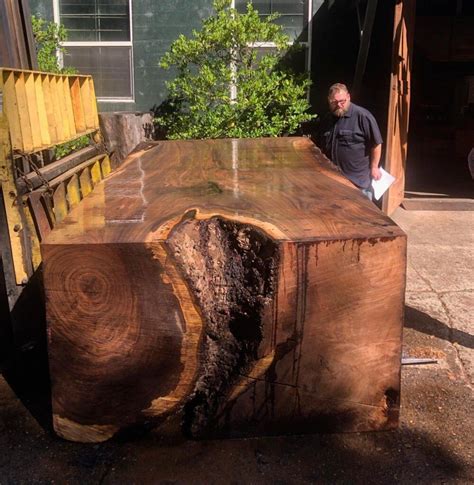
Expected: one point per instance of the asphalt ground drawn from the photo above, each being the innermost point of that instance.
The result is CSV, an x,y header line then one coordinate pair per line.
x,y
434,442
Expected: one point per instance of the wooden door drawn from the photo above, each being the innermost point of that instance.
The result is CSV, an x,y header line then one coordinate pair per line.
x,y
399,102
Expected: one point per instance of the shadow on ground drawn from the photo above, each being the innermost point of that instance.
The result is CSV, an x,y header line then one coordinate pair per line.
x,y
432,443
422,322
26,363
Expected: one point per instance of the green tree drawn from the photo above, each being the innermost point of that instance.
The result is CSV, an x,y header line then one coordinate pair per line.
x,y
268,99
48,38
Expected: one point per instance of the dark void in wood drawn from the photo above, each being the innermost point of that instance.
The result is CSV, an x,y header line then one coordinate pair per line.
x,y
240,287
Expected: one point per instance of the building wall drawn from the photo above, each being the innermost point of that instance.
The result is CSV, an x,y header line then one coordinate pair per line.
x,y
155,25
42,8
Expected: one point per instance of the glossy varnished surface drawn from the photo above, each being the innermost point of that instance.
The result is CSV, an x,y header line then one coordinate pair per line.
x,y
242,285
283,185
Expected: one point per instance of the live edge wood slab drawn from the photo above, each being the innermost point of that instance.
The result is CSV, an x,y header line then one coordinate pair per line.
x,y
238,287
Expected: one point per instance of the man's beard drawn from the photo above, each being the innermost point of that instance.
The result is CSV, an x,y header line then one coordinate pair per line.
x,y
340,112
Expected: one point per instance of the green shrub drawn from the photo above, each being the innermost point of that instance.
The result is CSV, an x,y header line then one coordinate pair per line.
x,y
64,149
48,37
270,99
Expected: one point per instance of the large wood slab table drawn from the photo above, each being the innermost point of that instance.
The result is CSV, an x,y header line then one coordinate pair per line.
x,y
233,287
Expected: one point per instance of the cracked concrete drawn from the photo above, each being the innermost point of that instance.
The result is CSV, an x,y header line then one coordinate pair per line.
x,y
440,273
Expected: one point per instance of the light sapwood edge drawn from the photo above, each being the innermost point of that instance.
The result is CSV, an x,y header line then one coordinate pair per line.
x,y
163,231
191,335
82,433
257,372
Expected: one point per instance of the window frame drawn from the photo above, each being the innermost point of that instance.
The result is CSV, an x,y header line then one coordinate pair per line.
x,y
307,44
125,43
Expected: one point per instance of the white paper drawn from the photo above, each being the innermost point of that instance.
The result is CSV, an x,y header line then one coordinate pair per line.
x,y
380,186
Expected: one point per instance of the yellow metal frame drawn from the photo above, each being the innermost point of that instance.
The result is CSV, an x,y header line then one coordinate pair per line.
x,y
46,109
11,202
41,110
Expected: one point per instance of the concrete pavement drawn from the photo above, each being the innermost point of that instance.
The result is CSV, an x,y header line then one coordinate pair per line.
x,y
440,275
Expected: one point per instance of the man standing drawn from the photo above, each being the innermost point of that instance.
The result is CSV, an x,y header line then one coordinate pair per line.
x,y
350,137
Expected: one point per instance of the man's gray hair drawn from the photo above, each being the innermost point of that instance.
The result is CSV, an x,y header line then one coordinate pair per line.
x,y
336,88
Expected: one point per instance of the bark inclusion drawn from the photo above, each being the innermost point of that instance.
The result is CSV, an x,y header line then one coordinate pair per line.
x,y
231,268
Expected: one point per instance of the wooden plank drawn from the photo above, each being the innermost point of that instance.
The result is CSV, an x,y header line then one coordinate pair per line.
x,y
73,192
93,101
9,55
85,182
60,203
33,111
105,166
35,71
69,107
24,113
62,117
399,103
12,205
96,175
87,102
58,109
49,107
42,114
66,176
18,38
255,250
33,235
48,202
41,216
77,105
30,44
10,106
59,167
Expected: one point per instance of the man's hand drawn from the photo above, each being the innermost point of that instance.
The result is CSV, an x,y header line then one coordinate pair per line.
x,y
375,173
375,154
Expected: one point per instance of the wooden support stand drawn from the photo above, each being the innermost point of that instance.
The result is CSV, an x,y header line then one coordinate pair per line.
x,y
242,286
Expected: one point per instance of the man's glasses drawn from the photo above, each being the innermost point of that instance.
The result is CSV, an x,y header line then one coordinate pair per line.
x,y
337,102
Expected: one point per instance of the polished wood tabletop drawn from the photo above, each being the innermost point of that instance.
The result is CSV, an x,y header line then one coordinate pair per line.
x,y
285,186
239,287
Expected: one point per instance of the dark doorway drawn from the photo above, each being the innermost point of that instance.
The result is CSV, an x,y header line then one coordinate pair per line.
x,y
441,125
441,131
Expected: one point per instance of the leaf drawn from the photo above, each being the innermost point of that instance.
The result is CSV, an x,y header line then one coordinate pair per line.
x,y
271,99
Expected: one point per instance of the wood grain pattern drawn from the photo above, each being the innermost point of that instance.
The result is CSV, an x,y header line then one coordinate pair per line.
x,y
242,284
283,182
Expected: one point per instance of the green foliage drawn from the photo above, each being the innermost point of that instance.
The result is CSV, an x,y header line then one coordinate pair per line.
x,y
270,99
64,149
48,37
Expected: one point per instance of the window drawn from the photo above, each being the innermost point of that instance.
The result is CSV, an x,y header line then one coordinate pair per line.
x,y
293,15
100,43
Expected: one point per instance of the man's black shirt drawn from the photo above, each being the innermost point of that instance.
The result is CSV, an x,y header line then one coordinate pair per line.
x,y
347,142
